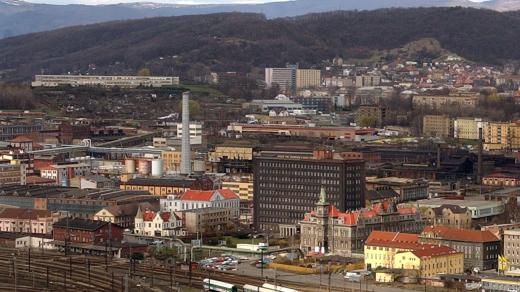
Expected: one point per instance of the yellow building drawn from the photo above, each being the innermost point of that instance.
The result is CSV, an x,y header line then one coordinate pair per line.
x,y
231,152
467,128
501,135
381,247
396,250
437,126
242,186
172,161
308,78
431,260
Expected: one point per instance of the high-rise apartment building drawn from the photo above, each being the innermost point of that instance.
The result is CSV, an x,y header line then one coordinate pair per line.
x,y
308,78
284,77
501,135
467,128
287,185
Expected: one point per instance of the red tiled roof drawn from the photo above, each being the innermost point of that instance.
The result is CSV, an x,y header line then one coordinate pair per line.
x,y
148,215
433,251
386,236
195,195
165,216
21,139
22,213
456,234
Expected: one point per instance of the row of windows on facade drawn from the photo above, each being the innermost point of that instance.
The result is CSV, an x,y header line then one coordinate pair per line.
x,y
292,172
293,165
21,229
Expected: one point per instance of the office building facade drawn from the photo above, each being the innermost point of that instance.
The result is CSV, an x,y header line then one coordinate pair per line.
x,y
287,185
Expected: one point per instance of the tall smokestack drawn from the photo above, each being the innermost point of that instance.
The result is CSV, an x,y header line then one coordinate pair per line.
x,y
438,156
186,150
479,158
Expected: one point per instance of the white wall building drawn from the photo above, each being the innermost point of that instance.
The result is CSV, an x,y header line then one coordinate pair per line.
x,y
162,223
193,199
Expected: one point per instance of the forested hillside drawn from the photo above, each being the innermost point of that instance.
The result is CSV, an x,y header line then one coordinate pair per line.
x,y
239,42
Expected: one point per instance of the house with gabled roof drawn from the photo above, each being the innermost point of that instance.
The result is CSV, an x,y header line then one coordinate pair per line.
x,y
158,223
195,199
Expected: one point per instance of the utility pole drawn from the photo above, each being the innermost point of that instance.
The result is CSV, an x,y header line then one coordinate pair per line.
x,y
14,269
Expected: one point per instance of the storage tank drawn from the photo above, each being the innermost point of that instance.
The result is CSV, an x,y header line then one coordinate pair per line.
x,y
157,167
144,167
129,166
199,166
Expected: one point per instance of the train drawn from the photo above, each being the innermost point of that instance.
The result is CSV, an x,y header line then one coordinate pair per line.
x,y
219,286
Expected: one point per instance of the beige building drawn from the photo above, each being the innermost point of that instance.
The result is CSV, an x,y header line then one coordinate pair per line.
x,y
208,220
171,161
13,174
502,135
512,248
308,78
437,126
27,220
468,100
231,152
467,128
449,216
408,189
242,186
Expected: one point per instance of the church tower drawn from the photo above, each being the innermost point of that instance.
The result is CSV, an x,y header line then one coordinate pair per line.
x,y
322,216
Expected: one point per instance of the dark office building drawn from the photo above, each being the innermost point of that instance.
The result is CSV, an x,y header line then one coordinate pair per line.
x,y
319,103
287,185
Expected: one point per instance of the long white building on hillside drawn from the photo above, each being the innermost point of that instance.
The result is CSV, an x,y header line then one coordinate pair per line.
x,y
105,81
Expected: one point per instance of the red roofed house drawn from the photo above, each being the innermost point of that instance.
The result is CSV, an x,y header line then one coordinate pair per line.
x,y
481,248
163,223
327,230
403,251
194,199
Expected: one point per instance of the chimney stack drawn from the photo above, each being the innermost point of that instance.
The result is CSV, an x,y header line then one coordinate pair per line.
x,y
185,147
479,158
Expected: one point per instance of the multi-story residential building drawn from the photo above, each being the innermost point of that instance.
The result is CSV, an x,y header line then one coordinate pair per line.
x,y
512,248
375,113
107,81
481,248
285,78
153,223
497,136
308,78
327,230
194,199
368,80
449,216
242,186
287,184
469,100
437,126
467,128
407,188
208,220
195,132
27,220
13,174
502,136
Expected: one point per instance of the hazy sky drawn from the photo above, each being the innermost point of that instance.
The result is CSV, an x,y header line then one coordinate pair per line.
x,y
155,1
162,1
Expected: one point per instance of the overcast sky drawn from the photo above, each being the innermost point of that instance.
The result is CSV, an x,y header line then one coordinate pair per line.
x,y
155,1
162,1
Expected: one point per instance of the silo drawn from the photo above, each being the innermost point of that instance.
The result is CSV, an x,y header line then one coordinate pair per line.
x,y
157,167
129,166
199,166
144,167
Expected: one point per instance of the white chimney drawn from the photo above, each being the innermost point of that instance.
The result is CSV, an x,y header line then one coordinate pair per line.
x,y
186,150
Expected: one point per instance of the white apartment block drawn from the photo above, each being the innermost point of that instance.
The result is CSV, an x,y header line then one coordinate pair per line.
x,y
193,199
105,81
